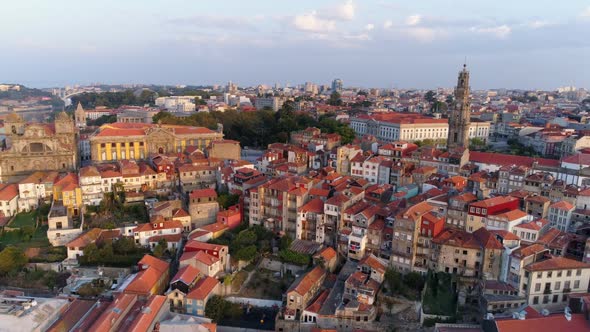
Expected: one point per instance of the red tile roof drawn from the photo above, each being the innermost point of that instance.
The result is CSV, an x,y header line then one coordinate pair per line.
x,y
8,192
552,323
203,288
186,274
148,315
315,205
198,193
507,159
303,285
557,263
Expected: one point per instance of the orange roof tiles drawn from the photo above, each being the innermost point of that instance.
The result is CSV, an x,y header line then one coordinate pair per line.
x,y
486,203
315,205
148,315
303,285
528,250
557,263
374,263
552,323
85,239
328,253
8,192
562,205
203,288
199,193
114,313
186,274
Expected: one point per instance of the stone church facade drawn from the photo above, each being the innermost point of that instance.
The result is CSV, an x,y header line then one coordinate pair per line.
x,y
31,147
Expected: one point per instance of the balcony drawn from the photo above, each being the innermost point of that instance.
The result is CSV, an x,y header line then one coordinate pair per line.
x,y
547,291
567,290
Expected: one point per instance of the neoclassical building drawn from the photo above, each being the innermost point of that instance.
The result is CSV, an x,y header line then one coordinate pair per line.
x,y
117,141
31,147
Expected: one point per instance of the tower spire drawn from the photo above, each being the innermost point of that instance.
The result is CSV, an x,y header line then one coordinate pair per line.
x,y
459,118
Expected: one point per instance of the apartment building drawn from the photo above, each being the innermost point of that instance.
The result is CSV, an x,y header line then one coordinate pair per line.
x,y
551,280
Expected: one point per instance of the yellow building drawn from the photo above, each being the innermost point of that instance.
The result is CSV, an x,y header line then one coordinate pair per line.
x,y
117,141
67,190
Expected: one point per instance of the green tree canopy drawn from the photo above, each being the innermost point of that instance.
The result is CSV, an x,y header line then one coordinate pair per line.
x,y
12,259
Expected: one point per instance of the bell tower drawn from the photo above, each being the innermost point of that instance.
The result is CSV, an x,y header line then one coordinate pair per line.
x,y
80,116
459,118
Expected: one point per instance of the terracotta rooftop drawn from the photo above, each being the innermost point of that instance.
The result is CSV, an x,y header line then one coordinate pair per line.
x,y
203,288
186,274
149,314
557,263
551,323
303,285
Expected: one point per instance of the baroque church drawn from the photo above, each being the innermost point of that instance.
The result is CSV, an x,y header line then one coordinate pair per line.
x,y
31,147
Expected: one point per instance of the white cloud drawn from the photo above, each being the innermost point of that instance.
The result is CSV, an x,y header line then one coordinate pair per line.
x,y
345,11
413,20
369,26
424,35
501,31
312,22
387,24
537,24
219,22
585,13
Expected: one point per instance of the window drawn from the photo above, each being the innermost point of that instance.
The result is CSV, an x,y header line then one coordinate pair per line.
x,y
557,285
537,287
578,272
577,284
536,300
568,273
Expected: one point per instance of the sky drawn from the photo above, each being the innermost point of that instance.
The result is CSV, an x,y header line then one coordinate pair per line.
x,y
527,44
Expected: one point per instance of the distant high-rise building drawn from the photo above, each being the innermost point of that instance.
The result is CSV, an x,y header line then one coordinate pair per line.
x,y
459,118
337,85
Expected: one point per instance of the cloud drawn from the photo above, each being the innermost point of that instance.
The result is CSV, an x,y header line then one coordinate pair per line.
x,y
369,26
585,13
500,32
219,22
537,24
413,20
424,35
387,24
312,22
344,11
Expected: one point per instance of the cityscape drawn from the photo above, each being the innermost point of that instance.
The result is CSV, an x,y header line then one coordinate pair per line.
x,y
347,200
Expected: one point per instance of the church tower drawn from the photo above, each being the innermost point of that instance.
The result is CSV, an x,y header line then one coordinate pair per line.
x,y
459,118
80,116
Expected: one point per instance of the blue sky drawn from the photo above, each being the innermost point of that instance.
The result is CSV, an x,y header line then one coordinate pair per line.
x,y
371,43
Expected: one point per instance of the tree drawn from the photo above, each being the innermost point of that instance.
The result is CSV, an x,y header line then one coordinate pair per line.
x,y
414,280
91,254
246,253
245,238
216,308
335,99
160,248
285,242
430,96
226,200
12,259
439,106
393,280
